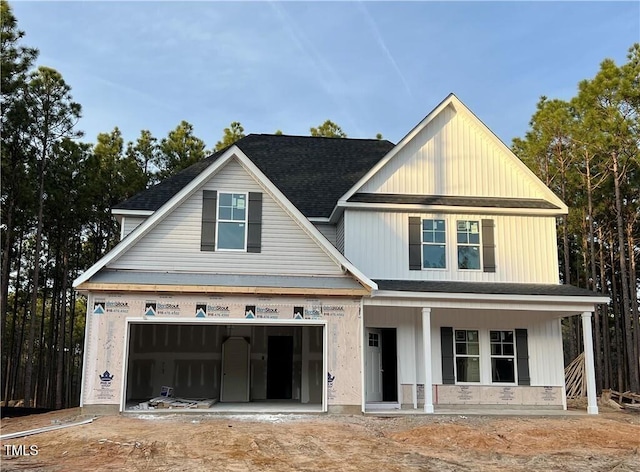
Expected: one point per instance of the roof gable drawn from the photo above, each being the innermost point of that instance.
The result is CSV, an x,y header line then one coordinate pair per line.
x,y
232,153
451,153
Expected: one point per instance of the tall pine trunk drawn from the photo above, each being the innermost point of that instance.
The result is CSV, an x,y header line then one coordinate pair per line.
x,y
28,374
632,359
606,339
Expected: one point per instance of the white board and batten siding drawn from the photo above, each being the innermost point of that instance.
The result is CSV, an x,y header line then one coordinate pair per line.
x,y
377,242
452,156
174,244
543,330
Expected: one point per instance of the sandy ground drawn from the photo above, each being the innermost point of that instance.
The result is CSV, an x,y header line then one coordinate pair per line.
x,y
607,442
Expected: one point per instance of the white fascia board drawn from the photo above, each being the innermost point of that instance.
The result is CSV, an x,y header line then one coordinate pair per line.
x,y
119,211
490,296
451,209
156,216
523,302
304,222
319,219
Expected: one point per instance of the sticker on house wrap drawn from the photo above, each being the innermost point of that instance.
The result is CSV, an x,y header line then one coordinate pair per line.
x,y
217,311
298,312
333,310
201,311
267,312
330,388
150,308
168,308
250,311
106,391
314,312
98,308
117,306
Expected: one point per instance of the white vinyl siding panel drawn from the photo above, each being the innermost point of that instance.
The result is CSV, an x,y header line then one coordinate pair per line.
x,y
129,223
174,244
328,231
546,364
525,247
452,156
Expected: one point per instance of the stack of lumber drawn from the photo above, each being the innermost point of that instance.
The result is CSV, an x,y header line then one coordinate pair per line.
x,y
175,402
574,378
627,400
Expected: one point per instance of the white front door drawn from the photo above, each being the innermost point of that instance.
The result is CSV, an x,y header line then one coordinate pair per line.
x,y
235,370
374,365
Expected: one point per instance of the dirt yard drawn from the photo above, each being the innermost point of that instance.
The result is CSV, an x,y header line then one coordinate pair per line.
x,y
608,442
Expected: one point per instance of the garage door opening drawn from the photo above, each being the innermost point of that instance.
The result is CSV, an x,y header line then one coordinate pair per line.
x,y
225,366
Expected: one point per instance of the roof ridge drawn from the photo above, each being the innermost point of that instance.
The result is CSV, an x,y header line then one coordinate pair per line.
x,y
315,137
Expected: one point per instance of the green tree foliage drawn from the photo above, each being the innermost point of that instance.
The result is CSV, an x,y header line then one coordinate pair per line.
x,y
17,196
53,116
180,149
15,62
145,152
328,129
233,133
588,151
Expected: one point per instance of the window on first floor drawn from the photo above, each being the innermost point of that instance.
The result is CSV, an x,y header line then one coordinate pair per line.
x,y
434,248
468,238
491,356
467,355
232,221
503,356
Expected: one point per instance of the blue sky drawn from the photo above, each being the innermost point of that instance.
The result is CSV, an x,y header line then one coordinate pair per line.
x,y
369,66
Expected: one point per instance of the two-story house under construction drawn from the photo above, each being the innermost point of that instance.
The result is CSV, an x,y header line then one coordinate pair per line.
x,y
290,273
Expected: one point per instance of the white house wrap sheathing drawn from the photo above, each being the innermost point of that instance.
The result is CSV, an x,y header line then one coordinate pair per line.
x,y
109,314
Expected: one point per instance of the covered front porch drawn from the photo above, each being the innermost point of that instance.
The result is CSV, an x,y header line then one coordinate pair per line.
x,y
487,346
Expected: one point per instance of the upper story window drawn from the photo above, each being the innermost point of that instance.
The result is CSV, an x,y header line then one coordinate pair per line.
x,y
434,248
232,221
429,242
468,244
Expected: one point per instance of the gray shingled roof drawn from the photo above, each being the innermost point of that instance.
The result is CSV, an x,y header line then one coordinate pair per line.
x,y
487,202
485,288
312,172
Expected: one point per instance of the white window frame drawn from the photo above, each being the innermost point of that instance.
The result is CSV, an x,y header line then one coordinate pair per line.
x,y
479,244
502,356
456,356
246,219
423,243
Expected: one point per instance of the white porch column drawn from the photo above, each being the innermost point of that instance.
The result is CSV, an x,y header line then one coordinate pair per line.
x,y
589,365
426,343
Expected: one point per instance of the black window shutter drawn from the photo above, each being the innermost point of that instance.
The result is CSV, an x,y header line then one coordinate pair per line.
x,y
415,243
488,246
446,347
254,235
522,353
208,232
